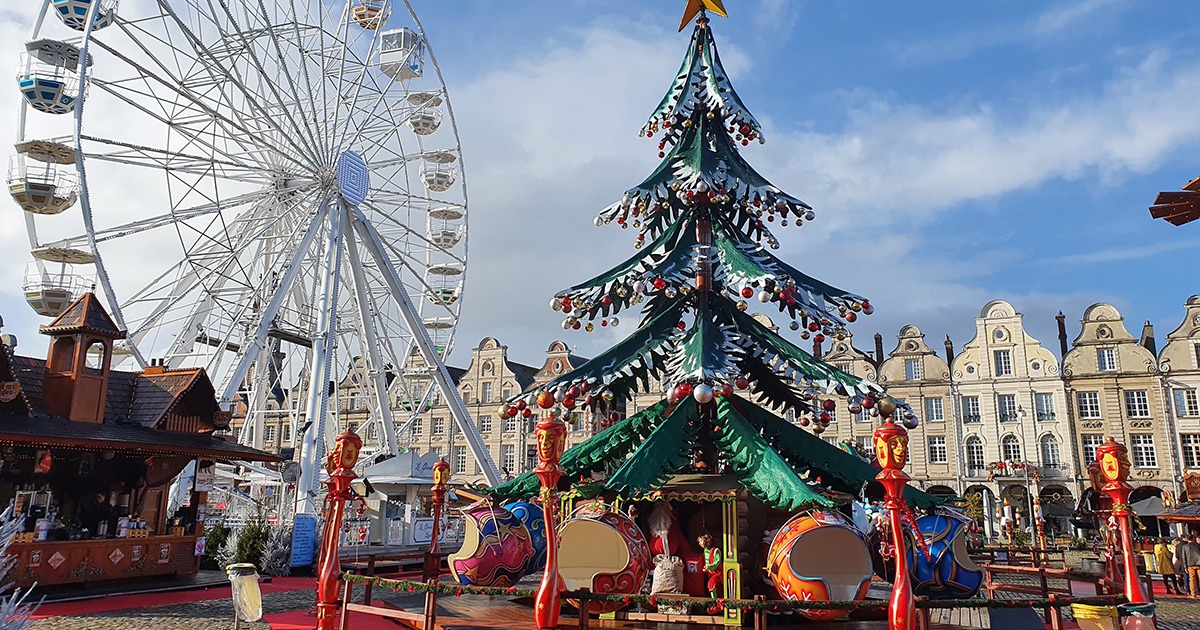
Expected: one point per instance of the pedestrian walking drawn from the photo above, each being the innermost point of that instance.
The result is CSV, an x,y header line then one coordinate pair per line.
x,y
1189,557
1166,567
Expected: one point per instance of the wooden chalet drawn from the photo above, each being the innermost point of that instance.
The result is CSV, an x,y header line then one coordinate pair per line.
x,y
88,453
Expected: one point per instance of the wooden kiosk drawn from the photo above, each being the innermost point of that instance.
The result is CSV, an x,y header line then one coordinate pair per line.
x,y
88,454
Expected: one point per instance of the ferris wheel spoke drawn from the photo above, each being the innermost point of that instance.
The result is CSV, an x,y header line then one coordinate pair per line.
x,y
301,130
198,102
131,154
293,88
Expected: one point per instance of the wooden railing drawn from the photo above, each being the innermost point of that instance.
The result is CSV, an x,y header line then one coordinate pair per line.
x,y
1020,556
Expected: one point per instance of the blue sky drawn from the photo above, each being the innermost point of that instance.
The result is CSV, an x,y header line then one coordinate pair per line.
x,y
955,152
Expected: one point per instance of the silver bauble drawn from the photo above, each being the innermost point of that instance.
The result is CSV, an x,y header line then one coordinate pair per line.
x,y
703,393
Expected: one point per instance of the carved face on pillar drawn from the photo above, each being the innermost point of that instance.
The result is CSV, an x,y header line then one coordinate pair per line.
x,y
891,446
551,439
1114,461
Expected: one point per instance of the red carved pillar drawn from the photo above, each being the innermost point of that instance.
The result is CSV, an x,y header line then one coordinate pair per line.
x,y
891,449
1114,466
340,466
441,476
551,441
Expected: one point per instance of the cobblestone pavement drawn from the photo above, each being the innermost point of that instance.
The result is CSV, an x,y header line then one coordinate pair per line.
x,y
213,614
1174,613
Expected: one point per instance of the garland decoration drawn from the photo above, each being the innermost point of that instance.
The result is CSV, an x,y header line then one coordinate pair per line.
x,y
747,605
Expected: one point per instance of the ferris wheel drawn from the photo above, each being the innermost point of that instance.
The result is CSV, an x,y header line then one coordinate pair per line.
x,y
269,189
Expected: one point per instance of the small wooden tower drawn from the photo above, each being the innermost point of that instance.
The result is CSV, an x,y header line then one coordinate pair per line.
x,y
77,368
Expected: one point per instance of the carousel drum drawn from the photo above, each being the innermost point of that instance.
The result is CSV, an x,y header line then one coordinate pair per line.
x,y
949,572
603,550
496,549
819,556
535,522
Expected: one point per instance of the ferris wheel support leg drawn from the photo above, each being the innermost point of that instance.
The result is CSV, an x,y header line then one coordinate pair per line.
x,y
374,364
259,340
377,251
318,394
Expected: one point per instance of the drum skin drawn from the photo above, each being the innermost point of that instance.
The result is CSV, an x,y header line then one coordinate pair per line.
x,y
531,515
496,549
819,556
603,550
949,573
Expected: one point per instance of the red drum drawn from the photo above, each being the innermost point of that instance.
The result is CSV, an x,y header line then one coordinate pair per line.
x,y
496,549
819,556
603,550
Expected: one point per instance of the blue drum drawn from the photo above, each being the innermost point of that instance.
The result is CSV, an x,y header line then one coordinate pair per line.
x,y
949,573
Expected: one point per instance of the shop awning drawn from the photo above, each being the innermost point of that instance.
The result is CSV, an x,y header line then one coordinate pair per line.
x,y
1185,513
60,433
1150,506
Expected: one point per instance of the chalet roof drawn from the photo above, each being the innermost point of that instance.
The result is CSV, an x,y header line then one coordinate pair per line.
x,y
85,314
59,432
157,391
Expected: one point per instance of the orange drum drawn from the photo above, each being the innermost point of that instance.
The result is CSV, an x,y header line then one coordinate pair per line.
x,y
603,550
819,556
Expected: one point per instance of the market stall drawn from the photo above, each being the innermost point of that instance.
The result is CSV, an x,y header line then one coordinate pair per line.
x,y
87,456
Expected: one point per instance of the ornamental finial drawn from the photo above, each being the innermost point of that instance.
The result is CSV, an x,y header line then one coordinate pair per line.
x,y
697,6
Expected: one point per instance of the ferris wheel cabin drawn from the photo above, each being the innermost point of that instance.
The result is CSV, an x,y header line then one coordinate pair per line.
x,y
37,181
49,75
370,14
50,293
401,54
73,13
427,116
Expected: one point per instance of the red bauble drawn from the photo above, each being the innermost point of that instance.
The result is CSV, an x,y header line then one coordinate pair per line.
x,y
605,301
572,392
526,412
589,400
566,304
613,417
804,421
603,323
825,418
742,382
727,390
747,293
569,403
545,400
681,325
868,402
575,326
851,316
660,284
828,404
819,338
584,387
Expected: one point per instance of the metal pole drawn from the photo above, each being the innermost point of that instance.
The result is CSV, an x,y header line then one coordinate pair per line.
x,y
319,369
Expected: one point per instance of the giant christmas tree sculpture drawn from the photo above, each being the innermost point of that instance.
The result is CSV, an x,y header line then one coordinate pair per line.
x,y
702,219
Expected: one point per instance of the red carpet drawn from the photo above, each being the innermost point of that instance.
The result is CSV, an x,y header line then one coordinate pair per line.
x,y
142,600
300,620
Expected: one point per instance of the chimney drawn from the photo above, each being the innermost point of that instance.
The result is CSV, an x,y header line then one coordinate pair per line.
x,y
1147,340
878,350
816,349
949,351
1062,334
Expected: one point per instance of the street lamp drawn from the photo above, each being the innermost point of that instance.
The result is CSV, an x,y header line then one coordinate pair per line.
x,y
891,449
340,466
441,477
551,435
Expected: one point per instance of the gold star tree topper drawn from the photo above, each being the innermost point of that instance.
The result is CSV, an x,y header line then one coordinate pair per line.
x,y
696,6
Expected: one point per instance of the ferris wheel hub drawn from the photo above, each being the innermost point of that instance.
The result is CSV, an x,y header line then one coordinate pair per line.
x,y
353,178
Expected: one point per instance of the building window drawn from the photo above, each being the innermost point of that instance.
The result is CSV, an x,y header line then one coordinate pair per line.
x,y
1003,362
439,426
862,416
1045,406
937,450
485,424
833,412
912,369
531,458
352,427
1088,404
831,440
975,456
1051,458
373,431
1142,445
508,458
1010,448
460,460
269,433
418,424
970,409
1006,407
506,393
790,415
485,394
510,425
1090,444
1196,353
1186,404
1106,359
287,432
934,411
1137,403
1191,449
